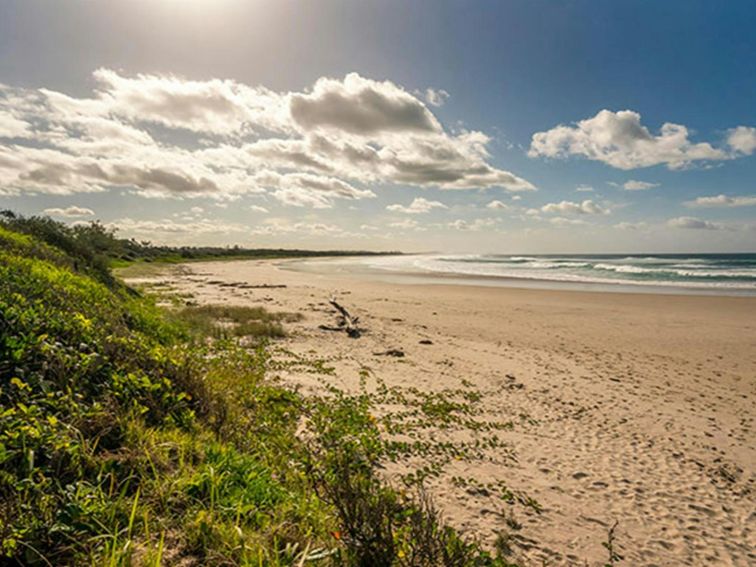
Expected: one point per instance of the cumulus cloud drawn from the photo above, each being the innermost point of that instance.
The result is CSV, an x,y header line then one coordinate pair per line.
x,y
447,162
417,206
305,189
587,207
405,224
634,185
362,107
258,209
474,225
436,97
213,106
12,127
584,189
167,136
152,181
496,204
292,154
723,201
276,225
620,140
72,212
693,224
162,227
631,225
742,139
563,221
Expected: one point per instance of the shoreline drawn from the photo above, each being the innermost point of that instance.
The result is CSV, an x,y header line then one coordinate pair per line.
x,y
403,276
634,407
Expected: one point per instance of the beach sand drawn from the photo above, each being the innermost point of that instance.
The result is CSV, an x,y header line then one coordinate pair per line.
x,y
635,408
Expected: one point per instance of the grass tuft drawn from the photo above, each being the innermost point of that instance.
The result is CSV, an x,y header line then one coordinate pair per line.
x,y
226,321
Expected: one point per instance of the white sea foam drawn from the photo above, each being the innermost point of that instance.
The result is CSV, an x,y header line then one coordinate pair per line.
x,y
674,271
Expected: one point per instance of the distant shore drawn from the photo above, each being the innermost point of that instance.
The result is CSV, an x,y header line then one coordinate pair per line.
x,y
632,407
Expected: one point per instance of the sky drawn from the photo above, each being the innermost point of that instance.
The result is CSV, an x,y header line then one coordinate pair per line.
x,y
433,125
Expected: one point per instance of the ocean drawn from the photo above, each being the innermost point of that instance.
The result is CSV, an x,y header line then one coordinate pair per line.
x,y
714,272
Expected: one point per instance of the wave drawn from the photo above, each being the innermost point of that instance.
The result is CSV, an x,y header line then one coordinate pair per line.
x,y
696,271
689,273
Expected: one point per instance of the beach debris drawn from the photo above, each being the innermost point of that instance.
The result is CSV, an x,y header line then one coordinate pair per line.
x,y
346,321
395,352
244,285
512,383
262,286
425,342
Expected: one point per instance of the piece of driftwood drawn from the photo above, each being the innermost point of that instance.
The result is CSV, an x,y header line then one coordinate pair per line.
x,y
262,286
346,322
391,352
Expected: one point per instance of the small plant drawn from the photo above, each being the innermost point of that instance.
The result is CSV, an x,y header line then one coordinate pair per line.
x,y
614,556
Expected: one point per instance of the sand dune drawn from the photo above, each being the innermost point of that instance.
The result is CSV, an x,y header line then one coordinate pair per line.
x,y
628,408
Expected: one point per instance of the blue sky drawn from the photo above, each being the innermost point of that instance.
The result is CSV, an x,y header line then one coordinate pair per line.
x,y
543,130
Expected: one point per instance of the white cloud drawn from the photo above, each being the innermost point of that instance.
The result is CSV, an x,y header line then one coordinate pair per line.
x,y
277,225
214,106
72,212
474,225
436,97
418,206
634,185
723,201
620,140
693,224
134,227
286,153
449,163
562,221
742,139
497,205
587,207
631,225
584,189
405,224
305,189
12,127
361,106
258,209
164,136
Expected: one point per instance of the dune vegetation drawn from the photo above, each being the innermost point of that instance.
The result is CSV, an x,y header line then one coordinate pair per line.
x,y
136,435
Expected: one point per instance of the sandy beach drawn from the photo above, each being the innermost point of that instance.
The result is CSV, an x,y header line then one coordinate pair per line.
x,y
628,408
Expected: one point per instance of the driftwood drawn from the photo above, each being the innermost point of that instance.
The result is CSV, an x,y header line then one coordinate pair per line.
x,y
391,352
262,286
243,285
346,322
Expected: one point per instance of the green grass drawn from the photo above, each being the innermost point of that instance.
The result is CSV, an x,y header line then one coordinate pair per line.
x,y
131,435
224,321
